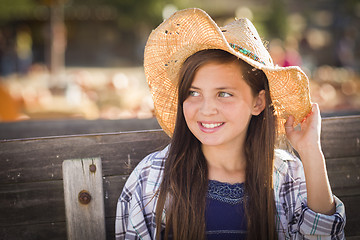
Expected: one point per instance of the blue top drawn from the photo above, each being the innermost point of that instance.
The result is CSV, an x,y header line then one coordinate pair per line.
x,y
224,215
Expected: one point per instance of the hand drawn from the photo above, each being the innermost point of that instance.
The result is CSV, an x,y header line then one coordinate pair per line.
x,y
308,137
306,142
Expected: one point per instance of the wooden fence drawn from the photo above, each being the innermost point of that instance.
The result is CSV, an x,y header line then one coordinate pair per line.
x,y
32,204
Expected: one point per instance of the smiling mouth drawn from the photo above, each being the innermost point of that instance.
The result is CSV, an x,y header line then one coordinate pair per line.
x,y
211,125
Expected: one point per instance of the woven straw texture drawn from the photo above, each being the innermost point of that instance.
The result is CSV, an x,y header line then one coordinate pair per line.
x,y
191,30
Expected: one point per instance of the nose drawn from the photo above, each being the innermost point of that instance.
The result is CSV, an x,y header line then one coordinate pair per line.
x,y
208,107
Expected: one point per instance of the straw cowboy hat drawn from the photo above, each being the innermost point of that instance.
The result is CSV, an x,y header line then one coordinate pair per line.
x,y
191,30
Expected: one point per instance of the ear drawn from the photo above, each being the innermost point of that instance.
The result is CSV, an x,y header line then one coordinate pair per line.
x,y
259,103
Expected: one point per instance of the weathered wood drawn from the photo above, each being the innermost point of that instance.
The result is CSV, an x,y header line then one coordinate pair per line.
x,y
84,199
344,175
340,137
112,193
42,231
41,202
46,128
40,159
113,186
352,208
52,208
31,203
31,189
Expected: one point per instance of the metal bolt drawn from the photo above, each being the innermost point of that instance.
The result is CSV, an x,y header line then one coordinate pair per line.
x,y
92,168
84,197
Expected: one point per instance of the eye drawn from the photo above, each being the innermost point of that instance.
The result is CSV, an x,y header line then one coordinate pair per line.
x,y
194,94
225,94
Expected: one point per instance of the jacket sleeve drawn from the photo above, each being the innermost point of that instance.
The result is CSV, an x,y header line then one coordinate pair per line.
x,y
314,225
130,221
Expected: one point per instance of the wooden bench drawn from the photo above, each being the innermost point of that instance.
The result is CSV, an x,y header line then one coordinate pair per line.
x,y
32,202
46,128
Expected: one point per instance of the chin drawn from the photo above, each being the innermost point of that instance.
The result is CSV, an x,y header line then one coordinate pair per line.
x,y
210,142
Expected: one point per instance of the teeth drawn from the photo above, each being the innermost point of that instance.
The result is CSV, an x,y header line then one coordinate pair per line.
x,y
211,125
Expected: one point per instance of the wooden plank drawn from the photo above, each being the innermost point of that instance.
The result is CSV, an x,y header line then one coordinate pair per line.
x,y
84,199
57,230
45,128
352,208
40,159
110,228
340,137
42,231
344,174
22,203
42,203
38,163
31,203
113,186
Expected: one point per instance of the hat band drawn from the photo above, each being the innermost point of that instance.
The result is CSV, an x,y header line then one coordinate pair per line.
x,y
246,52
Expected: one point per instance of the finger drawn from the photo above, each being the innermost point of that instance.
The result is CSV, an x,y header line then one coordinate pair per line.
x,y
316,109
312,116
313,106
306,117
315,117
289,124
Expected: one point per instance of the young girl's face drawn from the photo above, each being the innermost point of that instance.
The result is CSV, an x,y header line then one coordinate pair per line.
x,y
219,105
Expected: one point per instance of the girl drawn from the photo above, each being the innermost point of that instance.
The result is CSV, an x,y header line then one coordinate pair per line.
x,y
224,104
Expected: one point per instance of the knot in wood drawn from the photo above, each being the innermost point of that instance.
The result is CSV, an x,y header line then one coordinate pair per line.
x,y
84,197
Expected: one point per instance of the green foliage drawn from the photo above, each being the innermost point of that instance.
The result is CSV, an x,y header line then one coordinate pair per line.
x,y
16,9
276,23
130,12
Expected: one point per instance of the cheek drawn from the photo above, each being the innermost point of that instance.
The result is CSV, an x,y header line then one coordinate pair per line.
x,y
240,111
189,110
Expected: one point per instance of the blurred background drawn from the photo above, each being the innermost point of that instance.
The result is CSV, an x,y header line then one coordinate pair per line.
x,y
76,59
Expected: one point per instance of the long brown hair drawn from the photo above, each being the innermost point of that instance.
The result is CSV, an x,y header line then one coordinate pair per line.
x,y
185,179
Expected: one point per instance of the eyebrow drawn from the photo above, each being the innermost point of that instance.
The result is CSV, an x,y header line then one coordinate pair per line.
x,y
219,88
